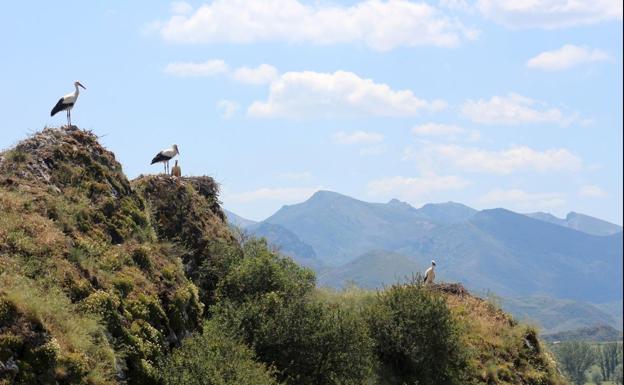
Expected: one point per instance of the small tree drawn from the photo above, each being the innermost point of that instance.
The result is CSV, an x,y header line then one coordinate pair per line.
x,y
575,358
214,358
416,339
609,356
267,301
617,374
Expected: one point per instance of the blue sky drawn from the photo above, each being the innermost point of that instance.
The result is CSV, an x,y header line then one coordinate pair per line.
x,y
514,104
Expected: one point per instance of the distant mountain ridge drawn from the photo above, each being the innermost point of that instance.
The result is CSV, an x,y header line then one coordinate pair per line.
x,y
580,222
512,254
237,220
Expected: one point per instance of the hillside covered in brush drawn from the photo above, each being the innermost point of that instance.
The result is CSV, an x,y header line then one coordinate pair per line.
x,y
109,281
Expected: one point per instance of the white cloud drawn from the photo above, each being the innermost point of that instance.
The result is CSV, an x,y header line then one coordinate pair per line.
x,y
458,5
592,191
448,130
550,14
416,188
207,68
521,200
502,162
285,195
357,137
181,8
382,25
315,94
227,107
262,74
512,110
566,57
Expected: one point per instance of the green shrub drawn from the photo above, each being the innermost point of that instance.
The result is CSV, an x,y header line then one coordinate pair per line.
x,y
415,337
214,358
261,272
267,299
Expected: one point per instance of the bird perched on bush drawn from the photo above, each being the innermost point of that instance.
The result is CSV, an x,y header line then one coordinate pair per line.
x,y
176,171
430,274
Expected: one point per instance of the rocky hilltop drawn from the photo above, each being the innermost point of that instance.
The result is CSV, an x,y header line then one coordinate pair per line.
x,y
109,281
91,284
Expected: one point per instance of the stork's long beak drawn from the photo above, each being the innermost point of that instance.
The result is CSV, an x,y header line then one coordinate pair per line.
x,y
83,87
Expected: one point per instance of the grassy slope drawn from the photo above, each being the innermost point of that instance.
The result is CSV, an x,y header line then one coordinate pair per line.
x,y
501,350
87,290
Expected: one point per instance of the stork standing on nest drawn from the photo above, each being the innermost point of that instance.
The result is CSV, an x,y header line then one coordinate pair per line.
x,y
430,274
66,103
165,156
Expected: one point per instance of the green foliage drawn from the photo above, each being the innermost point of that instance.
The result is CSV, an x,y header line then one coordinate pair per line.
x,y
596,378
262,272
214,358
50,338
267,300
609,356
415,337
185,211
83,267
617,375
575,358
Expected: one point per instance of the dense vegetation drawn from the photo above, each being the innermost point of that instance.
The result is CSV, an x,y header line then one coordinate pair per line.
x,y
106,281
582,361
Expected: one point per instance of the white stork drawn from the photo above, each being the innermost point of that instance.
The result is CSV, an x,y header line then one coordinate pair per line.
x,y
66,103
165,156
430,274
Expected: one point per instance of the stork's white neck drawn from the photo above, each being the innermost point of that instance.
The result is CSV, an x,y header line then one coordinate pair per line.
x,y
77,90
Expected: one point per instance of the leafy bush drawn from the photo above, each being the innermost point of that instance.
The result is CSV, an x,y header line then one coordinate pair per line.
x,y
415,337
214,358
575,358
266,299
261,272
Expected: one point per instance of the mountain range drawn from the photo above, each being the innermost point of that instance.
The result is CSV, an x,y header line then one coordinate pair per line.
x,y
514,255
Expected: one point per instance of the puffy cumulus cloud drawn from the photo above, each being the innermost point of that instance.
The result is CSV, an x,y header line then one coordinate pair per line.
x,y
502,162
518,199
315,94
592,191
382,25
566,57
262,74
514,109
414,188
227,107
447,130
550,14
357,137
284,195
189,69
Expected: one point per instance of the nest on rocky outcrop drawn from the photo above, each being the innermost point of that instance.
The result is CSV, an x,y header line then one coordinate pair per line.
x,y
450,288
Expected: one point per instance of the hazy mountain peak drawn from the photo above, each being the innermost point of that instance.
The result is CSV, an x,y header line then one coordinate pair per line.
x,y
237,220
399,204
324,194
447,212
580,222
